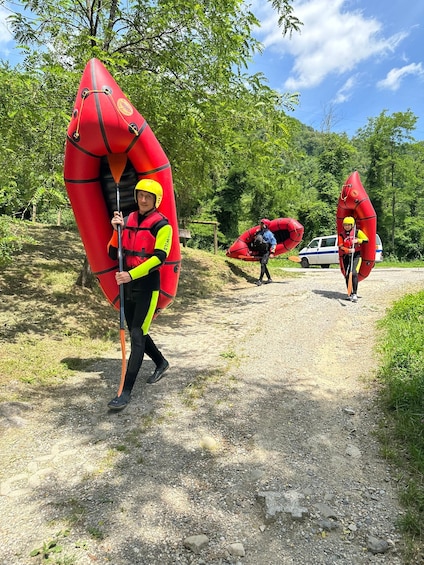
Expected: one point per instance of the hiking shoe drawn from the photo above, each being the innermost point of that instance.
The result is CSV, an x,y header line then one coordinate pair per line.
x,y
258,283
119,402
269,281
354,298
159,371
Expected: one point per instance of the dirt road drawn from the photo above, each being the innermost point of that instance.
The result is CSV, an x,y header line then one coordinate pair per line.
x,y
258,447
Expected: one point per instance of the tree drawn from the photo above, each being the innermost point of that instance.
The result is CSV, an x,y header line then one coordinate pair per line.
x,y
179,61
31,140
387,139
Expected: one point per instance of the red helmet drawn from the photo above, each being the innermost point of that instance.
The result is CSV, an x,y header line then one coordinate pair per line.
x,y
265,222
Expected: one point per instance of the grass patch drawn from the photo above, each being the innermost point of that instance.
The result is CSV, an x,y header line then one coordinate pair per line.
x,y
402,397
197,388
48,552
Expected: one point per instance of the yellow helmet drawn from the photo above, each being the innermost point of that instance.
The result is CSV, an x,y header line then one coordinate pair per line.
x,y
152,186
349,220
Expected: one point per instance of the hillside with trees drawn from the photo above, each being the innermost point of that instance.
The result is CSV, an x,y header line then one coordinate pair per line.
x,y
236,152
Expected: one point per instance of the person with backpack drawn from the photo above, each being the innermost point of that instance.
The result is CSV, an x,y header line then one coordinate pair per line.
x,y
350,241
146,242
264,243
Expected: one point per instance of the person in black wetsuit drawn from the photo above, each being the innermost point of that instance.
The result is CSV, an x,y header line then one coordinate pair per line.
x,y
350,241
146,242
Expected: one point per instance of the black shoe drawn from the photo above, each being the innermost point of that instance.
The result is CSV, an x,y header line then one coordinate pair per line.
x,y
269,281
258,283
119,402
159,371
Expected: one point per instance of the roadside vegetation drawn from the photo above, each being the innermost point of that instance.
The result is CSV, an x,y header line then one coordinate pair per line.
x,y
402,400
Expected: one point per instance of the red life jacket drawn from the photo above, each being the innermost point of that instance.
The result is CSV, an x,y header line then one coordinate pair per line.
x,y
138,240
347,240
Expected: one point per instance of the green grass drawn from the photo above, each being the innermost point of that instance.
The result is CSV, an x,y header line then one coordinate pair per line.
x,y
402,397
394,263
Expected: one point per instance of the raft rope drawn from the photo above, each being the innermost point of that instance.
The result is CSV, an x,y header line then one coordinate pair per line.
x,y
85,94
346,187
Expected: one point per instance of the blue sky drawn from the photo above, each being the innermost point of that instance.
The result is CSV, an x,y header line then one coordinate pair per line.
x,y
7,51
352,60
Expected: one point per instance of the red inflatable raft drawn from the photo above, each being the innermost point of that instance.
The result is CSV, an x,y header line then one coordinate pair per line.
x,y
106,130
354,201
287,231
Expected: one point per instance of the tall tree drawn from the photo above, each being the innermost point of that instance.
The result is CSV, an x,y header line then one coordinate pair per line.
x,y
388,139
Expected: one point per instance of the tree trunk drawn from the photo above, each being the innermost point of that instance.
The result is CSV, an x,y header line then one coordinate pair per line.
x,y
86,279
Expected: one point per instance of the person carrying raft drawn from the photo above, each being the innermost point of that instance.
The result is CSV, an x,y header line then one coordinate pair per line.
x,y
264,243
146,242
350,241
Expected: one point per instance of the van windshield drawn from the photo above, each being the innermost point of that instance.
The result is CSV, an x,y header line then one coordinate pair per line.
x,y
314,243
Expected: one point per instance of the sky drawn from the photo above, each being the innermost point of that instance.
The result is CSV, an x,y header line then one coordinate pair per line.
x,y
351,60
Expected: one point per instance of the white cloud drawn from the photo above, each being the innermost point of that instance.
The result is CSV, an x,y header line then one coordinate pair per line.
x,y
331,41
5,34
345,92
395,76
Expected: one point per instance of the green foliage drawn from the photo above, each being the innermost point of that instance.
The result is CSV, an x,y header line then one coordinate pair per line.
x,y
13,236
33,122
389,178
180,62
402,378
228,207
49,550
403,370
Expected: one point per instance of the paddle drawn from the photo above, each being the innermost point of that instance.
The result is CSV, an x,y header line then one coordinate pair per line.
x,y
350,280
294,258
117,162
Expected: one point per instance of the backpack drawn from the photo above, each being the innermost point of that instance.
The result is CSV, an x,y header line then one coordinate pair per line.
x,y
259,245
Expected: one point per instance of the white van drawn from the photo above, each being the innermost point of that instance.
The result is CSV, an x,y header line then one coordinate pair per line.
x,y
324,251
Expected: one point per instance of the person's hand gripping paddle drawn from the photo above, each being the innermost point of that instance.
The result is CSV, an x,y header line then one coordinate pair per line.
x,y
117,163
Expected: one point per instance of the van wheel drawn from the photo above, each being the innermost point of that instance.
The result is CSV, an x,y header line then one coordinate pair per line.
x,y
325,266
304,262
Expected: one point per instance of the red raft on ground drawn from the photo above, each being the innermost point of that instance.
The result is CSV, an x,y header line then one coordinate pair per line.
x,y
106,133
287,231
354,201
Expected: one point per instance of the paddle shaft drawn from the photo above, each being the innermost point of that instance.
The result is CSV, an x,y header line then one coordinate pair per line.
x,y
117,163
120,263
121,301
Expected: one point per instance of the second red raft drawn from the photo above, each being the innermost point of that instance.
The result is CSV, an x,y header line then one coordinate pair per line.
x,y
287,231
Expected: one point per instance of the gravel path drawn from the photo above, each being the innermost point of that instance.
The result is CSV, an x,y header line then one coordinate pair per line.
x,y
257,448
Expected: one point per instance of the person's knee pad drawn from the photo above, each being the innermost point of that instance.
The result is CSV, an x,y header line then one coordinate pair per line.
x,y
137,337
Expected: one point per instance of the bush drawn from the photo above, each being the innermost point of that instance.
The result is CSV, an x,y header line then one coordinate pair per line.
x,y
13,235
